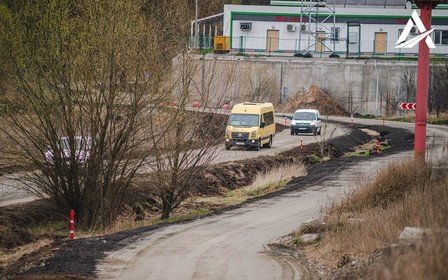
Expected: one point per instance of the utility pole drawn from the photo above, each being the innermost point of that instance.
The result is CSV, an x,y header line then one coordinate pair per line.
x,y
421,109
196,27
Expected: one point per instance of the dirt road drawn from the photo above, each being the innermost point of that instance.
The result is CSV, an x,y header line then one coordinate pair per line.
x,y
233,245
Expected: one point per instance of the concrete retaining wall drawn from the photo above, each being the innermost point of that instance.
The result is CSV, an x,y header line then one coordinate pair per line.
x,y
359,86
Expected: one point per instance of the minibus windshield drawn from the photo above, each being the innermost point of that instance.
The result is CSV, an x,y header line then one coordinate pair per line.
x,y
244,120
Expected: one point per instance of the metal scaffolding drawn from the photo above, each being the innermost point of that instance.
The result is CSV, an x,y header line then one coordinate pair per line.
x,y
314,19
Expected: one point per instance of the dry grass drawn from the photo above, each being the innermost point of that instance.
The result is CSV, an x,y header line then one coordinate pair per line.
x,y
409,116
264,183
427,261
269,181
406,194
8,257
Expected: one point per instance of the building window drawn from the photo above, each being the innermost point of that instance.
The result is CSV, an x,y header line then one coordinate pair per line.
x,y
335,32
440,37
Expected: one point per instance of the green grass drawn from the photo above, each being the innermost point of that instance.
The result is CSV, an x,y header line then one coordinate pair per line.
x,y
54,227
431,119
190,215
249,192
366,153
358,153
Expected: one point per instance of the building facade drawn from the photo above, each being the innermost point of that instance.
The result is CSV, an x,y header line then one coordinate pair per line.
x,y
333,27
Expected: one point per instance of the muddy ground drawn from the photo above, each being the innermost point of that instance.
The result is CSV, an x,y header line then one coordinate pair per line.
x,y
76,259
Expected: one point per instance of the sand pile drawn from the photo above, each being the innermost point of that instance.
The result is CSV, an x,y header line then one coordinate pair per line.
x,y
315,98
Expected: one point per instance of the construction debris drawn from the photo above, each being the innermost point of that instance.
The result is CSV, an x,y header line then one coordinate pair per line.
x,y
315,98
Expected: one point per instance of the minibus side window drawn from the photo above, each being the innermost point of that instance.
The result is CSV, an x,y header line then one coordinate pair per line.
x,y
268,118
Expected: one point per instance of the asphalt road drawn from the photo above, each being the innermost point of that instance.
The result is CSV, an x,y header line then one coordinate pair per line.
x,y
12,190
282,141
233,245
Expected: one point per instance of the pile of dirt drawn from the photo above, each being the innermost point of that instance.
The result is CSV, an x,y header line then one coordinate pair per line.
x,y
315,98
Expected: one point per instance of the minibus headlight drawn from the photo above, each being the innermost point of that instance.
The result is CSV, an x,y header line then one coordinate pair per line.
x,y
228,133
254,134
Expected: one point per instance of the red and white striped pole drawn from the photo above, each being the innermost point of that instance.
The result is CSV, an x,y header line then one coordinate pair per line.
x,y
301,143
378,147
352,124
72,224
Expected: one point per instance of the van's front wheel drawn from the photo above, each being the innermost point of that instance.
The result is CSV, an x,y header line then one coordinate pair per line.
x,y
269,144
258,147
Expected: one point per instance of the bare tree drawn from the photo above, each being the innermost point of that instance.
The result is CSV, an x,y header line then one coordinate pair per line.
x,y
392,102
83,70
262,87
408,87
184,141
437,97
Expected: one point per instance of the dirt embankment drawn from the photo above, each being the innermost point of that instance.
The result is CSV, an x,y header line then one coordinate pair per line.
x,y
314,98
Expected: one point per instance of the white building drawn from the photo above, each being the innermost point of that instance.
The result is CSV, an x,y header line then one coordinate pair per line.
x,y
321,28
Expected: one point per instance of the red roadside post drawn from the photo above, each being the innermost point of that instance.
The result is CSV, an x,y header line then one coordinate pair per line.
x,y
425,7
72,224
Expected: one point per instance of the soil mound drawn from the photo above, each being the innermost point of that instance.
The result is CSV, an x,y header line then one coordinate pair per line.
x,y
315,98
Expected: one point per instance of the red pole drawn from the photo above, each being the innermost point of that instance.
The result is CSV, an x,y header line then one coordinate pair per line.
x,y
72,224
301,143
422,85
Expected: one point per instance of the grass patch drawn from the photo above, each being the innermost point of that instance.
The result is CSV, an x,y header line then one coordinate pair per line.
x,y
52,227
431,118
267,182
250,192
128,223
358,153
196,213
368,151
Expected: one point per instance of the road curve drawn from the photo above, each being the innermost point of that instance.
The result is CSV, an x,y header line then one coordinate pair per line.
x,y
12,191
233,245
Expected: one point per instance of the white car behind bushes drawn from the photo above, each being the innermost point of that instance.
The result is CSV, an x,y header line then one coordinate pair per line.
x,y
82,146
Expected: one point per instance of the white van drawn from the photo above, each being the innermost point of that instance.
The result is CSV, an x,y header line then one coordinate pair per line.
x,y
306,121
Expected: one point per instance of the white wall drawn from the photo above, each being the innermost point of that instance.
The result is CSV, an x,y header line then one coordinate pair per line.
x,y
289,41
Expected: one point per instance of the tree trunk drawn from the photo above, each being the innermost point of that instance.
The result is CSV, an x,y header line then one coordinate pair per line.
x,y
166,209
